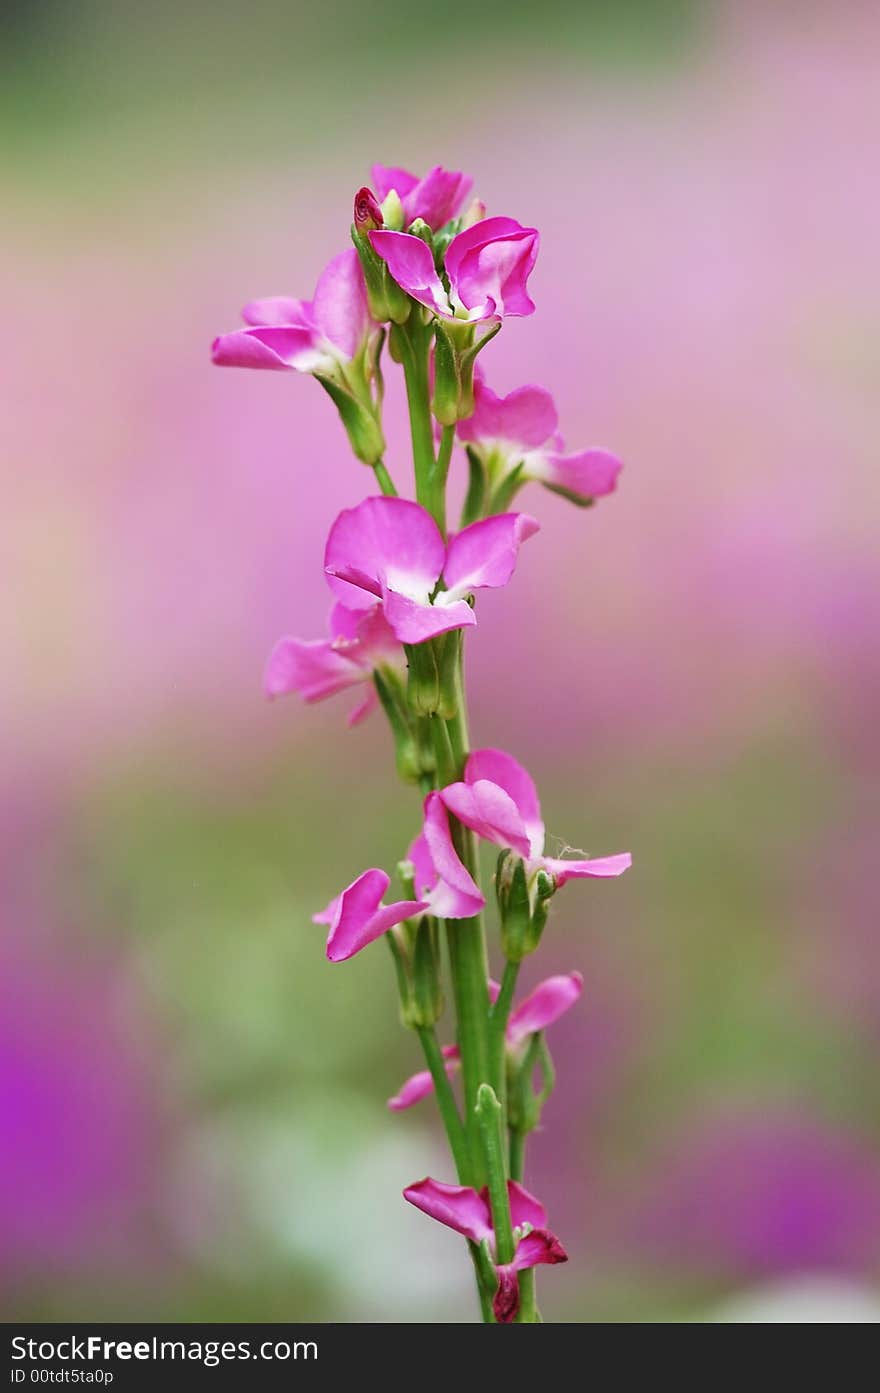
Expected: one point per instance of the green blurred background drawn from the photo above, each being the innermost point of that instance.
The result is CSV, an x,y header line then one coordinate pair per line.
x,y
192,1100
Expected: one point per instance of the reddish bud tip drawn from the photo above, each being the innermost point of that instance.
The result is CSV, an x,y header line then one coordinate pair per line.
x,y
367,213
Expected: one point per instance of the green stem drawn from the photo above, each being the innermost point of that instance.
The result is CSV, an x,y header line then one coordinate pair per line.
x,y
498,1028
528,1313
489,1116
414,343
384,479
440,475
458,1141
517,1154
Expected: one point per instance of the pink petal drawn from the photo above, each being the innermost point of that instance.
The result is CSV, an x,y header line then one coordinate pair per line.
x,y
278,349
524,1208
492,261
364,636
387,177
590,474
502,769
415,621
475,237
543,1007
363,709
505,1302
538,1246
314,669
454,894
457,1206
418,1086
383,541
279,309
526,417
488,811
437,197
411,263
494,990
340,303
484,554
600,868
357,916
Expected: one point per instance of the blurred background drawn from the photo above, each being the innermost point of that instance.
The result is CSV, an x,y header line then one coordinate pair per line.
x,y
192,1101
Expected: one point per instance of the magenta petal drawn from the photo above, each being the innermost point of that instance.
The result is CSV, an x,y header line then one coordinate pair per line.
x,y
474,238
357,916
505,1302
454,894
538,1246
526,417
490,812
383,541
589,474
543,1007
500,768
415,621
277,349
437,197
387,177
278,309
600,868
418,1086
340,303
457,1206
314,669
411,264
484,554
492,261
524,1208
363,709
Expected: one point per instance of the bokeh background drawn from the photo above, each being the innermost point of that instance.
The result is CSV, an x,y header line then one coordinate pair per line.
x,y
192,1101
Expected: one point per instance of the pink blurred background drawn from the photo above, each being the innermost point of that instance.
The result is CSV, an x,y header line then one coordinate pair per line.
x,y
192,1100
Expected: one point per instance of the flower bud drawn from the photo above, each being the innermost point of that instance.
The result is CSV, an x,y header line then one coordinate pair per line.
x,y
423,685
419,228
426,1005
364,431
367,213
392,212
447,379
385,299
522,906
474,213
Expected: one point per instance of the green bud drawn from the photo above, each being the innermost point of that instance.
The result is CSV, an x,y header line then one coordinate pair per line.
x,y
419,228
392,211
362,428
427,997
447,378
406,750
423,686
523,908
385,298
447,649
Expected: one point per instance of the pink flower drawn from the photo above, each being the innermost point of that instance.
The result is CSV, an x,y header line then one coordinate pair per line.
x,y
498,800
444,887
541,1008
317,336
461,1208
487,266
437,198
521,429
391,549
360,642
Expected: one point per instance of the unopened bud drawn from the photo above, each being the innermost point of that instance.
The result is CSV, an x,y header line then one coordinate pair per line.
x,y
474,213
367,213
392,212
